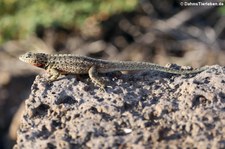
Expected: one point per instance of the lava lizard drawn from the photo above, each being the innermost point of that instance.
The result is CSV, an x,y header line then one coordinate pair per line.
x,y
57,64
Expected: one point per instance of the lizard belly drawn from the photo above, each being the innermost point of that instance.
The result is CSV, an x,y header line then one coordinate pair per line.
x,y
72,70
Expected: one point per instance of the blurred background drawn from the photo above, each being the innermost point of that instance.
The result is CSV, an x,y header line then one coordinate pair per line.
x,y
190,32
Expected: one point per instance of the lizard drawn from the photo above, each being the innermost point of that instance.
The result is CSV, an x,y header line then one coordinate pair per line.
x,y
59,64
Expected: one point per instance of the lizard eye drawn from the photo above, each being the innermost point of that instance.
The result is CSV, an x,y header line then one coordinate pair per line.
x,y
28,54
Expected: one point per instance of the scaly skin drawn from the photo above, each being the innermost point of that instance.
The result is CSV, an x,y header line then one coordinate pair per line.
x,y
57,64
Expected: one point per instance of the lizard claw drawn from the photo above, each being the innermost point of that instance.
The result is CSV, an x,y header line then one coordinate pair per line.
x,y
102,88
48,82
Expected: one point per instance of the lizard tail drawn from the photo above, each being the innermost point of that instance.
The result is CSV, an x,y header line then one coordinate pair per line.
x,y
126,65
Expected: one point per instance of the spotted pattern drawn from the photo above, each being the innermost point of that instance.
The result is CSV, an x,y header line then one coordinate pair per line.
x,y
68,63
36,59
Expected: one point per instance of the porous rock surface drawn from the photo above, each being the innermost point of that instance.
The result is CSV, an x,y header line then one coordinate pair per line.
x,y
140,110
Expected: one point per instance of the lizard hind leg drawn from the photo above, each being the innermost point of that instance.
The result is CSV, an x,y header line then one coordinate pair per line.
x,y
93,74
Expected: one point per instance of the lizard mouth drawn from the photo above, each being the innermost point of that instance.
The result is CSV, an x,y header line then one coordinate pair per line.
x,y
24,59
21,58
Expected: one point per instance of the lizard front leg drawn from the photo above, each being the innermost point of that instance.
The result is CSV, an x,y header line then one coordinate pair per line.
x,y
93,74
53,74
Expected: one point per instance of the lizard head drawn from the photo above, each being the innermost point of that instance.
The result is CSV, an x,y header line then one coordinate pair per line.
x,y
36,59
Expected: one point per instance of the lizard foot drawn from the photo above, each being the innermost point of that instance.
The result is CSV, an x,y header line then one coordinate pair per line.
x,y
102,88
50,79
